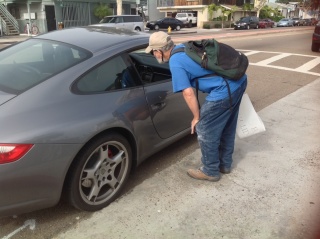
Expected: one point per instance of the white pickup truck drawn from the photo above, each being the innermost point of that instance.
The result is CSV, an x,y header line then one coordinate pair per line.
x,y
187,18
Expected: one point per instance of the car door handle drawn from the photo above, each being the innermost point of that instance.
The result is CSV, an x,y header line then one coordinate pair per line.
x,y
158,106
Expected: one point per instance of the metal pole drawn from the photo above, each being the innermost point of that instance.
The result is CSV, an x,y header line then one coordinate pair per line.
x,y
29,24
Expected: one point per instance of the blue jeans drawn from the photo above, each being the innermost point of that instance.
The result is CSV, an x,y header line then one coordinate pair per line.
x,y
216,132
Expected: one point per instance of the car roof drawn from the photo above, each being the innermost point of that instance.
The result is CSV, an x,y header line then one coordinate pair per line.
x,y
95,38
123,16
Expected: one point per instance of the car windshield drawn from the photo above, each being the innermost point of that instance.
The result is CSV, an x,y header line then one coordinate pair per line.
x,y
29,63
111,20
284,20
244,20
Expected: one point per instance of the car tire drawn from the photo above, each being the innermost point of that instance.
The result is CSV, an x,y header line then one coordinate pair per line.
x,y
99,172
178,28
315,47
248,27
156,27
137,29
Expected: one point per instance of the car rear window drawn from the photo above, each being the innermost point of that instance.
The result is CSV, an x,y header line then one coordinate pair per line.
x,y
29,63
132,19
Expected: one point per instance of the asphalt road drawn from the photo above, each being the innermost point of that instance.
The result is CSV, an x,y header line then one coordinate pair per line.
x,y
268,83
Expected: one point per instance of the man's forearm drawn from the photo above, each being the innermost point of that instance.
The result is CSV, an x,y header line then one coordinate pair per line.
x,y
192,102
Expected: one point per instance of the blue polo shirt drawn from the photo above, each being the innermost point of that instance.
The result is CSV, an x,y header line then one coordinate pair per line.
x,y
184,70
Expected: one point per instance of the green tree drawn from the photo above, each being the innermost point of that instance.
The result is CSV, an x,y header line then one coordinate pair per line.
x,y
248,7
212,8
102,10
269,12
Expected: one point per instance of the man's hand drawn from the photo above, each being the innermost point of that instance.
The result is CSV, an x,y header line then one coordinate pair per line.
x,y
193,125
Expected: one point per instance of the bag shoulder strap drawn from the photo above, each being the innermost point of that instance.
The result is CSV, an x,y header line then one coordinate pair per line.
x,y
176,50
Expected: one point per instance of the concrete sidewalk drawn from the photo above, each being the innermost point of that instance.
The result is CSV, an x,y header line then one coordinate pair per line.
x,y
272,193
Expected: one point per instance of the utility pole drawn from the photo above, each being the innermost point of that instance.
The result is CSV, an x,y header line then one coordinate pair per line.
x,y
119,7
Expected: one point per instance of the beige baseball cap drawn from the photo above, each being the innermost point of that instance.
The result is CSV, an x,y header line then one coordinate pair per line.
x,y
158,40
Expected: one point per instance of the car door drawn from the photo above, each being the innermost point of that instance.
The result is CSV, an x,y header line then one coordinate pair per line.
x,y
173,23
119,23
128,22
165,23
169,112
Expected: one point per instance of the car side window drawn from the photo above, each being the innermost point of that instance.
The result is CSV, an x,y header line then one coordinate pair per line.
x,y
113,74
166,21
127,19
150,71
119,20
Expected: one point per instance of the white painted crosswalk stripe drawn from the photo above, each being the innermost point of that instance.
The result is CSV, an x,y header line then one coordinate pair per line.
x,y
309,65
272,59
313,63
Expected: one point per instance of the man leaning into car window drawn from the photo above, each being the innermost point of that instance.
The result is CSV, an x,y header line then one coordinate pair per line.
x,y
215,124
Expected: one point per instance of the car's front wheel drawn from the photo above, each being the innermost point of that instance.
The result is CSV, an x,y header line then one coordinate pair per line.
x,y
248,27
99,172
178,28
156,27
137,29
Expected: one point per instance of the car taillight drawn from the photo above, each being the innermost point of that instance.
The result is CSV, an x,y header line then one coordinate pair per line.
x,y
13,152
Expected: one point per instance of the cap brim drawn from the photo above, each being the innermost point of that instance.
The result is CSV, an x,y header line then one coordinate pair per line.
x,y
148,49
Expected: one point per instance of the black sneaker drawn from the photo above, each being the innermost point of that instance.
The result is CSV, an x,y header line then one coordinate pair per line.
x,y
225,170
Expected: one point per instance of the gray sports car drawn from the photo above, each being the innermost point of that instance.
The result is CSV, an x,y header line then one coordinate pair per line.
x,y
79,108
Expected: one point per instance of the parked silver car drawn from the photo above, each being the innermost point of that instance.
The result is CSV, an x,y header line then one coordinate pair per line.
x,y
285,22
79,108
130,22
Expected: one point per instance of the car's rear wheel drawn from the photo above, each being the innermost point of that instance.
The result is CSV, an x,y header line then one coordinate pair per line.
x,y
178,28
257,26
156,27
315,47
99,172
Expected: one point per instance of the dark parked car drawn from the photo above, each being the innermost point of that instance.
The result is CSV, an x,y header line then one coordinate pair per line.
x,y
80,108
247,23
313,21
297,21
315,45
307,22
165,23
265,23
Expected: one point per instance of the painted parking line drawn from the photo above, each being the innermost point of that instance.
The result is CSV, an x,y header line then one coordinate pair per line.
x,y
31,223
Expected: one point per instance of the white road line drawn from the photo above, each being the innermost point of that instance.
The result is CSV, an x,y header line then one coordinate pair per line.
x,y
276,52
286,69
29,223
272,59
305,68
251,53
309,65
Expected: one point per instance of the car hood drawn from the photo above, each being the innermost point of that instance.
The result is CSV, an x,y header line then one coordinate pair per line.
x,y
4,97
